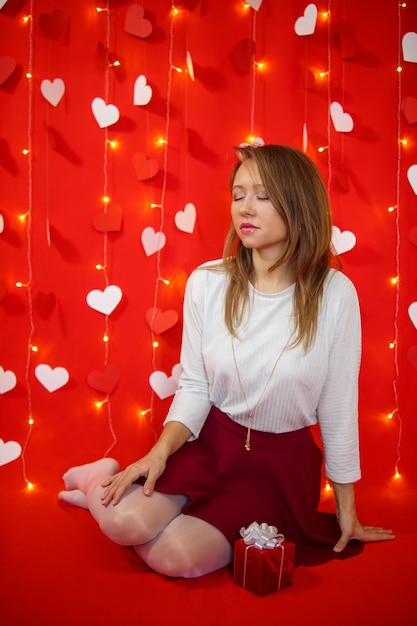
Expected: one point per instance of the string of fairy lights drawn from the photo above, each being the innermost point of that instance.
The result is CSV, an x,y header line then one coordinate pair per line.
x,y
172,69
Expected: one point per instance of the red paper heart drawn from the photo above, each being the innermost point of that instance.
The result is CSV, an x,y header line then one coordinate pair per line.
x,y
7,67
144,168
412,356
346,46
343,179
135,23
45,303
412,235
409,109
3,289
52,25
111,220
104,381
242,54
160,321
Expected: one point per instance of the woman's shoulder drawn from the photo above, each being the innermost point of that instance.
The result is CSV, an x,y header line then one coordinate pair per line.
x,y
209,274
339,288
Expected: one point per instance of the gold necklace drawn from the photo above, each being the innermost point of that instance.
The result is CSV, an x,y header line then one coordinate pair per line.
x,y
242,388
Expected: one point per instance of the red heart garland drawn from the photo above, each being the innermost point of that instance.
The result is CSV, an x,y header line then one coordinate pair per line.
x,y
104,381
242,54
111,220
3,289
412,356
45,303
144,168
135,23
160,321
412,235
409,109
7,67
52,25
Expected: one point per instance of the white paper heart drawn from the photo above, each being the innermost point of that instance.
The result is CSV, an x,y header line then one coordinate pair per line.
x,y
190,66
51,378
163,385
409,44
8,380
412,312
1,223
53,91
342,122
306,24
305,137
9,450
255,4
142,93
185,220
105,114
342,241
412,177
104,301
152,241
2,3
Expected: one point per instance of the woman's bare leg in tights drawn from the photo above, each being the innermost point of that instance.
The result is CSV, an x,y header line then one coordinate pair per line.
x,y
169,542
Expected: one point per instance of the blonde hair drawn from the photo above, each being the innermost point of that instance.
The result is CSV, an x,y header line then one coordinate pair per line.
x,y
296,189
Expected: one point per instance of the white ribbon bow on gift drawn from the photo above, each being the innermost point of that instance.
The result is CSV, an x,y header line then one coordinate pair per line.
x,y
262,536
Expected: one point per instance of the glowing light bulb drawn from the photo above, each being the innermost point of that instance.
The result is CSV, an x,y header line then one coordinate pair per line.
x,y
392,208
155,344
399,68
27,18
100,10
99,266
29,485
327,487
390,415
404,142
106,199
394,280
105,338
260,65
392,344
31,421
164,280
325,15
19,284
112,143
161,141
144,412
34,348
28,75
114,64
177,69
23,217
175,11
25,151
397,474
100,404
322,148
156,206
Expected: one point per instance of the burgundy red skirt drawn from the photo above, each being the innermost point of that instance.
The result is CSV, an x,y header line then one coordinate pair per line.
x,y
278,482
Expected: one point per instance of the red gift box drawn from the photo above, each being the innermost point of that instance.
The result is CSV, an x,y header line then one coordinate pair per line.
x,y
264,570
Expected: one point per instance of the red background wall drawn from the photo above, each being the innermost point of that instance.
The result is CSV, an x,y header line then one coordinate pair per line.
x,y
59,188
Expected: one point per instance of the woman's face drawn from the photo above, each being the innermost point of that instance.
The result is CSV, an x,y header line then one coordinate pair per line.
x,y
257,222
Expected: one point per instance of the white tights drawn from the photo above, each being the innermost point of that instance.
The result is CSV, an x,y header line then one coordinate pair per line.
x,y
169,542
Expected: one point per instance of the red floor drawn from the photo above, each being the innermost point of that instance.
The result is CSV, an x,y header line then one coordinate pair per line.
x,y
58,570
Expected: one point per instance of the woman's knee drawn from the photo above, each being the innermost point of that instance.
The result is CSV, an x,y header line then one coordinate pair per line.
x,y
124,527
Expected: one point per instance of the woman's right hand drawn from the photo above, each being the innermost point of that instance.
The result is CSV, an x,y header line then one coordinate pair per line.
x,y
150,467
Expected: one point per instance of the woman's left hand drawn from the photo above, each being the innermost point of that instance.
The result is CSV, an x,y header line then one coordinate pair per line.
x,y
351,528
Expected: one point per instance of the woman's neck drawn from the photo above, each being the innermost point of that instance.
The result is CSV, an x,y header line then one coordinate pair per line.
x,y
270,282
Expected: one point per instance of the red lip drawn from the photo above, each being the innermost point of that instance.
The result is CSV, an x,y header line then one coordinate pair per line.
x,y
248,228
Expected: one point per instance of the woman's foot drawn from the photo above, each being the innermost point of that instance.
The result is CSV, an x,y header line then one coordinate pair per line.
x,y
75,497
77,477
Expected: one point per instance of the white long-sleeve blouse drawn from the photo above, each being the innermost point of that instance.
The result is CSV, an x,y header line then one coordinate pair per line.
x,y
320,385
